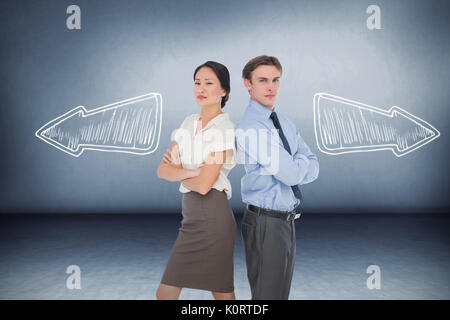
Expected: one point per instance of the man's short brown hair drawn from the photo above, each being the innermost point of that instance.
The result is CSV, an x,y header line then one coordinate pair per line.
x,y
260,61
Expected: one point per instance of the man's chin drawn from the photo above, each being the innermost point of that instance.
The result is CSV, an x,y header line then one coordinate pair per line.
x,y
269,103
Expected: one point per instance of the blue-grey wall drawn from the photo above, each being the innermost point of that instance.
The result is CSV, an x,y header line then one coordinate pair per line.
x,y
128,48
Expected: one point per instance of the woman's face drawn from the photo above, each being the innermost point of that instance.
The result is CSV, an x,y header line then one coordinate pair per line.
x,y
207,88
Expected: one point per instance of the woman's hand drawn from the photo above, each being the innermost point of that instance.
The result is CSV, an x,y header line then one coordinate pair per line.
x,y
173,157
171,168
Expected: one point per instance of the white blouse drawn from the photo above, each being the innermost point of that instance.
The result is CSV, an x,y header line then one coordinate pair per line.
x,y
218,135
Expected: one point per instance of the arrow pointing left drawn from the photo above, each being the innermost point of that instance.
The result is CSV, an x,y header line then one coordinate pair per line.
x,y
131,126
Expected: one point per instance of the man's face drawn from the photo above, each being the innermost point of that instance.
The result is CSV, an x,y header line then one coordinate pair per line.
x,y
264,85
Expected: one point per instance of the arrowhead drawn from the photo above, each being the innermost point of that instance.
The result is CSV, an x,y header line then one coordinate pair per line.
x,y
62,132
411,131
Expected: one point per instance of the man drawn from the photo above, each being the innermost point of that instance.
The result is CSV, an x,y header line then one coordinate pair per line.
x,y
270,186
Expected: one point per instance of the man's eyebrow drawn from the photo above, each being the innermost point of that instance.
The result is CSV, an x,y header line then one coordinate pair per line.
x,y
205,79
267,78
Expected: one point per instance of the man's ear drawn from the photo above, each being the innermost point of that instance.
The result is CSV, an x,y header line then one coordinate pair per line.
x,y
247,84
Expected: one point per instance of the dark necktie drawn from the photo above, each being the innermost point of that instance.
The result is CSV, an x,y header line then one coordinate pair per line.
x,y
274,118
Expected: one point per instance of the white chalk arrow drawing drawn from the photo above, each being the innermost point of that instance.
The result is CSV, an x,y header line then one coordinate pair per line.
x,y
345,126
130,126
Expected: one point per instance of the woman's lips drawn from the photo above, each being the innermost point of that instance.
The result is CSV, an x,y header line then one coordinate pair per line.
x,y
201,97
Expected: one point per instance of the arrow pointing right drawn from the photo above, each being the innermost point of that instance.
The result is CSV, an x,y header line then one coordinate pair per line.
x,y
345,126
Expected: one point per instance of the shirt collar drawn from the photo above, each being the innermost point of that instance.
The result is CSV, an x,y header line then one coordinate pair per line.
x,y
256,109
216,120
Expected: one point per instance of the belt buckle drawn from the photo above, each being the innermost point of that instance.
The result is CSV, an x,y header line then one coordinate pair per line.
x,y
292,216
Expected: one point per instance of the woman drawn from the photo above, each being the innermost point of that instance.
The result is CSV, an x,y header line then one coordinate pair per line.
x,y
200,158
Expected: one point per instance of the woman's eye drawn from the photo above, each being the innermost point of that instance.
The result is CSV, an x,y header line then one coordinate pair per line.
x,y
197,83
209,83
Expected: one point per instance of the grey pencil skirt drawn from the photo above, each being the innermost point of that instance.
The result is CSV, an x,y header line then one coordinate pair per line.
x,y
202,256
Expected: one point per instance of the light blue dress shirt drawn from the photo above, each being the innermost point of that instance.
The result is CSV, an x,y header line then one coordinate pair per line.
x,y
261,185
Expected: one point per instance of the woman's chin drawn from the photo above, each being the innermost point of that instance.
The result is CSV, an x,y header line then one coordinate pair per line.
x,y
204,104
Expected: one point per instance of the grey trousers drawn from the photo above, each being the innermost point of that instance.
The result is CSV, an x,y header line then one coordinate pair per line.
x,y
270,255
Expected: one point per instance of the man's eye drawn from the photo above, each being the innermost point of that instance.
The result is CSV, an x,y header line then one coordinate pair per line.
x,y
262,80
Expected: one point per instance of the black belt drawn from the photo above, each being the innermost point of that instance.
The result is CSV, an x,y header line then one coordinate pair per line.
x,y
285,215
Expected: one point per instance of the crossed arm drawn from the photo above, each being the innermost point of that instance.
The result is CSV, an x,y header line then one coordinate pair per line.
x,y
200,180
300,168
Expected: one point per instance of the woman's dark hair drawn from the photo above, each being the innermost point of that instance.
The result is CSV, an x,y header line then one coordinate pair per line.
x,y
222,74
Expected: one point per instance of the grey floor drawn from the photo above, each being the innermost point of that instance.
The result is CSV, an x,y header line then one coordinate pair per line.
x,y
123,256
